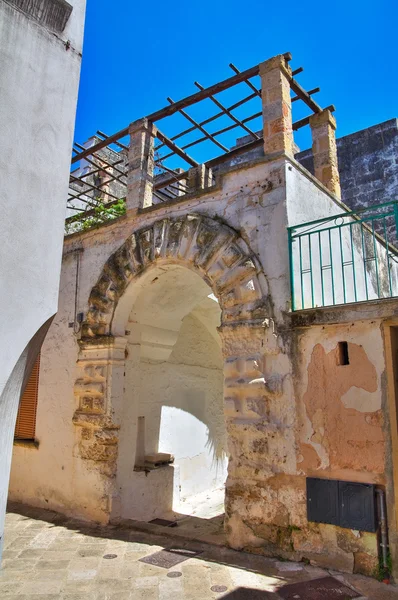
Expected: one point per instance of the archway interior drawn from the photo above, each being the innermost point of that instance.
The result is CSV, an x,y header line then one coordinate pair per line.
x,y
174,377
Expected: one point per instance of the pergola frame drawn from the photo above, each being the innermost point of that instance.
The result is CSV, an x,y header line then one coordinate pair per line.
x,y
171,187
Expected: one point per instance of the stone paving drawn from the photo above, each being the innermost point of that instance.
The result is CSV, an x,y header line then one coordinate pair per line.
x,y
48,557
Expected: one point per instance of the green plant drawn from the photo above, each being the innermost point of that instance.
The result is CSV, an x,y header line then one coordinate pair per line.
x,y
383,572
102,213
292,528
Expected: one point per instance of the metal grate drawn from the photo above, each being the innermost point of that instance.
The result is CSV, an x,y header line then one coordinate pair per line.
x,y
164,522
326,588
170,557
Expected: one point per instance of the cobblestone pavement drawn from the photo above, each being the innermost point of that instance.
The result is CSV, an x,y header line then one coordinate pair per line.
x,y
48,557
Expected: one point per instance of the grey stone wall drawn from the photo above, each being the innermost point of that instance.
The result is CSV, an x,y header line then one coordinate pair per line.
x,y
368,165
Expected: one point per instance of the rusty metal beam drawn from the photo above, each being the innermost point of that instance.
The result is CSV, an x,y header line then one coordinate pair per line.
x,y
304,96
173,108
249,83
306,120
297,71
93,187
176,150
228,113
202,129
111,165
212,118
310,92
219,132
123,146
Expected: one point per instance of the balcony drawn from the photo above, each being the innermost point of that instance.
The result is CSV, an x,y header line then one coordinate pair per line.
x,y
345,258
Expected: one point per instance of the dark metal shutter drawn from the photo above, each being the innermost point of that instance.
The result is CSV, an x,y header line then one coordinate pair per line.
x,y
323,500
357,506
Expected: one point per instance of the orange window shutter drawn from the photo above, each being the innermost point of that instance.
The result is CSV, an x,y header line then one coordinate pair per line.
x,y
26,419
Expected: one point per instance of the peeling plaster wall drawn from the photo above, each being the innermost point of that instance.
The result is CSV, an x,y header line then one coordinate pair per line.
x,y
341,426
341,430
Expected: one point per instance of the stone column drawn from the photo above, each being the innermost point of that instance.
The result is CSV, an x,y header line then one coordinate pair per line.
x,y
275,75
324,149
141,164
260,416
99,391
199,178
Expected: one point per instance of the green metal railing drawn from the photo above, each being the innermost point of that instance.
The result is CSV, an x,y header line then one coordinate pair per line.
x,y
343,258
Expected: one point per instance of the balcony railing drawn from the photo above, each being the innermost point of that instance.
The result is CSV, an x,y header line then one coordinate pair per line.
x,y
344,258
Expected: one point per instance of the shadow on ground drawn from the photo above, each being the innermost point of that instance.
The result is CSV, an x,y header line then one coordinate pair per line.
x,y
276,577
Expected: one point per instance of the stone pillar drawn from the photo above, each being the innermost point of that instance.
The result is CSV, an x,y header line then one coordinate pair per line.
x,y
324,149
99,390
199,178
141,164
260,417
275,75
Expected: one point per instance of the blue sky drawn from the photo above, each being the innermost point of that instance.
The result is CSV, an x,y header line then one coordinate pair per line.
x,y
138,53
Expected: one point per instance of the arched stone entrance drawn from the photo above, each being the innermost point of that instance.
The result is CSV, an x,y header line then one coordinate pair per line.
x,y
224,261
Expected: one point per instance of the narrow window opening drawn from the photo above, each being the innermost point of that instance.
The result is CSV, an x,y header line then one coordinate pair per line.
x,y
342,357
25,427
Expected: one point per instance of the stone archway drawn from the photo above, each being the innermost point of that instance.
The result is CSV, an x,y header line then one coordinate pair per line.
x,y
198,242
222,258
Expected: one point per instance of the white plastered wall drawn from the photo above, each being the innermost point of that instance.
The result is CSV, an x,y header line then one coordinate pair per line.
x,y
39,78
182,402
50,476
174,380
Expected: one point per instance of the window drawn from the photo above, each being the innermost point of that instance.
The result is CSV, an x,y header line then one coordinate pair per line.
x,y
26,419
343,358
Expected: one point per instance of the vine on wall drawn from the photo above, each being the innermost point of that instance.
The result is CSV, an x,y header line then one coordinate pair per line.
x,y
102,213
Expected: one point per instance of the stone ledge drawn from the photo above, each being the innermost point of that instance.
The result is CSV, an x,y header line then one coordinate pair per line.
x,y
30,444
384,308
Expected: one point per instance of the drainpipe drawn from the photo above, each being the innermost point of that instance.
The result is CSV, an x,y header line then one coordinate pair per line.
x,y
383,525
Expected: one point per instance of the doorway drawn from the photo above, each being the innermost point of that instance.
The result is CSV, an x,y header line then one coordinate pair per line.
x,y
173,456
